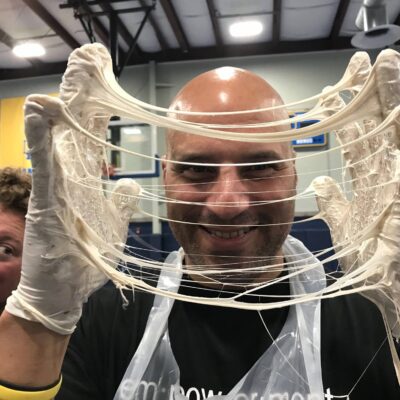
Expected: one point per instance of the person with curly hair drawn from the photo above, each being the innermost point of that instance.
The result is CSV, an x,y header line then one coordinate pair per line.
x,y
15,188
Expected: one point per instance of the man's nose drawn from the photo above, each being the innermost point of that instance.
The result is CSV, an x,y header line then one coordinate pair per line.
x,y
228,197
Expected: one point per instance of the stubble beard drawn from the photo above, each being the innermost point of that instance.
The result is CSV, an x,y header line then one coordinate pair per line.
x,y
245,268
238,271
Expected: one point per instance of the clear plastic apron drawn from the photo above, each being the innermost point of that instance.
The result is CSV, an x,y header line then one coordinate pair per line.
x,y
290,369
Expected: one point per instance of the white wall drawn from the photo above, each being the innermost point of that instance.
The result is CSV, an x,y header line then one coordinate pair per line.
x,y
295,76
23,87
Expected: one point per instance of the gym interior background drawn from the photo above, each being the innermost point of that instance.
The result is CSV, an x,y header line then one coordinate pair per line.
x,y
157,45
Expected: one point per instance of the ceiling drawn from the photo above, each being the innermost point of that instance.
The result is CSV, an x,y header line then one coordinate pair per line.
x,y
137,31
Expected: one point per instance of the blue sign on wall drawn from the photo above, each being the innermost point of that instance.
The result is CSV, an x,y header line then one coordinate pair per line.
x,y
312,141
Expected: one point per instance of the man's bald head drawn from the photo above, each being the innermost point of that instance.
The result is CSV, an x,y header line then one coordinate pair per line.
x,y
237,207
228,89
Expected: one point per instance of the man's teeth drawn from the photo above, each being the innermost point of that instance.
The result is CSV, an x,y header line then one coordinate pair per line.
x,y
230,235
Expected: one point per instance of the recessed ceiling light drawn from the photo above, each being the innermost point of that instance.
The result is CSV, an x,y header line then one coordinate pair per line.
x,y
245,28
29,49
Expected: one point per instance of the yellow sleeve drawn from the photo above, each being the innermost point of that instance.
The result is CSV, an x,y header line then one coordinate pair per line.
x,y
7,393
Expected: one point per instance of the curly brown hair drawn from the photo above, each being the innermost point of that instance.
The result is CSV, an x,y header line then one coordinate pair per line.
x,y
15,188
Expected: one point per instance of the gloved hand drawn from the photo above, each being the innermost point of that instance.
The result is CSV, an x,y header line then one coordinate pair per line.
x,y
368,225
67,210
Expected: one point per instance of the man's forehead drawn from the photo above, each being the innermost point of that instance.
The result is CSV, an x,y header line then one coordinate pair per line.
x,y
212,93
217,91
184,145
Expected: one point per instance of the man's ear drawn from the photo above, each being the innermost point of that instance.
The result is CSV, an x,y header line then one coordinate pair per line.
x,y
294,155
164,165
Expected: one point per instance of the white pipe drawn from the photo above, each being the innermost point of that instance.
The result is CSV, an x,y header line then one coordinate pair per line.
x,y
155,207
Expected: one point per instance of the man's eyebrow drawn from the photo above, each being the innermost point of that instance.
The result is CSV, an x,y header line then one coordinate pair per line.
x,y
259,156
7,237
196,158
245,158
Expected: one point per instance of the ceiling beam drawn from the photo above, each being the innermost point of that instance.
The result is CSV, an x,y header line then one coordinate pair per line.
x,y
105,37
276,25
397,20
135,39
100,30
202,53
98,27
339,18
74,3
198,53
6,39
160,37
175,25
214,21
52,23
122,29
51,69
10,42
103,33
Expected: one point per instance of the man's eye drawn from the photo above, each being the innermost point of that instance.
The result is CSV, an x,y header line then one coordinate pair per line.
x,y
261,167
260,170
196,172
5,251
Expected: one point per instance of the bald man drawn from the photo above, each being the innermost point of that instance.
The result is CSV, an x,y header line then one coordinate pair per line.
x,y
159,349
226,193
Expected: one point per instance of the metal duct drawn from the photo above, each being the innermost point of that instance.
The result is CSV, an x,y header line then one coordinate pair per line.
x,y
376,32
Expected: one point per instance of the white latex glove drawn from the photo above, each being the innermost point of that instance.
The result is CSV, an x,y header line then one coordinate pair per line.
x,y
375,202
56,277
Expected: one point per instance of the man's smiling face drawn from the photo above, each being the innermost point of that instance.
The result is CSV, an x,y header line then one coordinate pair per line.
x,y
229,212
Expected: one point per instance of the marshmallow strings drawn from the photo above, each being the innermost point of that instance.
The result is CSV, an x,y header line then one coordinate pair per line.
x,y
363,111
361,86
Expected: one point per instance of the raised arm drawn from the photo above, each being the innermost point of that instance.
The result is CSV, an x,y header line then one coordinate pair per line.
x,y
57,278
366,228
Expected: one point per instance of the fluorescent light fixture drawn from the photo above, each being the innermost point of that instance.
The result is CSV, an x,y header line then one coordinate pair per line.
x,y
29,49
245,29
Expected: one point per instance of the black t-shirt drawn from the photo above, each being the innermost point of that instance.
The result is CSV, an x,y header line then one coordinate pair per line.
x,y
214,347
